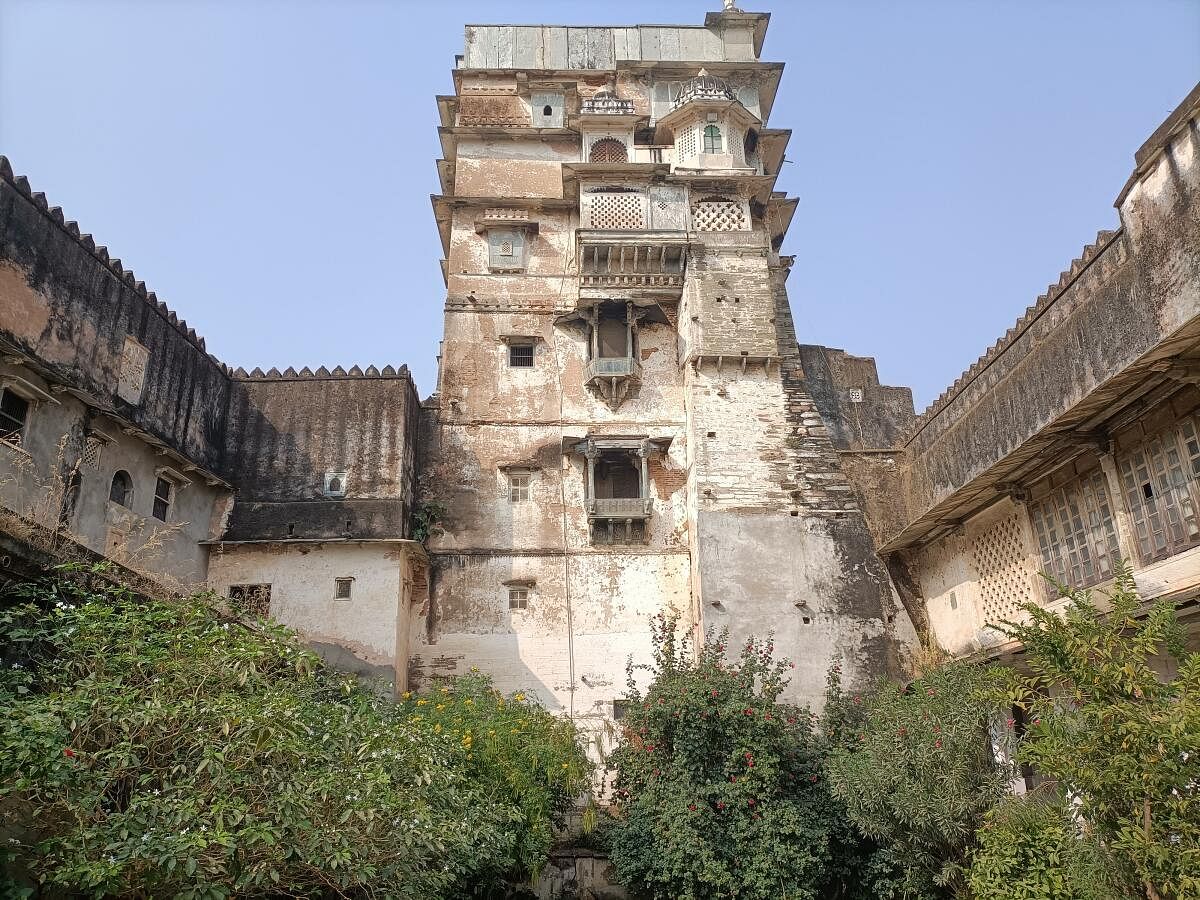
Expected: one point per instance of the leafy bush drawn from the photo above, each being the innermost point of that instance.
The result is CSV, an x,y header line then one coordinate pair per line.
x,y
914,768
1122,740
1031,849
152,748
718,790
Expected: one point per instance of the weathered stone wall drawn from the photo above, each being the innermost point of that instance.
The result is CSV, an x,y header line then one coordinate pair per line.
x,y
781,543
67,305
286,431
366,634
1132,299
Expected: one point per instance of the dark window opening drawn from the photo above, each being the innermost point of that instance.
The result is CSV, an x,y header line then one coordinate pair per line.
x,y
620,709
617,478
121,489
750,142
342,587
335,485
520,356
612,339
14,413
547,110
1148,490
251,599
162,499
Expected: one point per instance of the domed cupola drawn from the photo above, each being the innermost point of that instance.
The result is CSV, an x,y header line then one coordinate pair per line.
x,y
705,87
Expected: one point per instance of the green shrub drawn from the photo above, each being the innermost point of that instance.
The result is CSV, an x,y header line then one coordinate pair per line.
x,y
718,786
152,748
1030,849
1121,738
914,768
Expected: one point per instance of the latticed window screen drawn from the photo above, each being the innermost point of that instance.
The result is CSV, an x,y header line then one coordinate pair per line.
x,y
1076,533
685,143
1159,479
518,598
619,211
93,448
608,150
1004,582
718,214
506,249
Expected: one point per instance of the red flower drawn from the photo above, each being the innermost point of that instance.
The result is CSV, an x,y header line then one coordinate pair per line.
x,y
903,731
766,715
750,763
858,701
749,711
720,804
714,693
930,692
937,744
1011,722
68,753
692,807
813,779
751,801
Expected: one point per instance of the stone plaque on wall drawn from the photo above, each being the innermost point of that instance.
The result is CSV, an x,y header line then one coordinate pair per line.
x,y
134,358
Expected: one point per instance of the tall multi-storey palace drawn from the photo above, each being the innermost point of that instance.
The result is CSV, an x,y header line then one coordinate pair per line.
x,y
624,423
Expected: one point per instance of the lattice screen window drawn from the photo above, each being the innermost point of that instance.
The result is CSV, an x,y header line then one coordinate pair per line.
x,y
93,447
718,214
685,144
608,150
1076,533
618,211
506,249
1004,582
1159,481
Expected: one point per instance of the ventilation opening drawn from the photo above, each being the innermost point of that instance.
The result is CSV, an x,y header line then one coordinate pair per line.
x,y
291,528
712,434
807,620
795,513
547,110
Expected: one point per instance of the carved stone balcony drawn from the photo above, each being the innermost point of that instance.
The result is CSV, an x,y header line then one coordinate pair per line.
x,y
619,508
621,266
613,377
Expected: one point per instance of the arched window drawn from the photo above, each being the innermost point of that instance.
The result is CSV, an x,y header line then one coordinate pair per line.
x,y
712,139
608,150
121,490
335,485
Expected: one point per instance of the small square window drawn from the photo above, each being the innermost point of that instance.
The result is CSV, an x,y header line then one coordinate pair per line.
x,y
162,498
342,588
620,709
335,484
14,414
520,356
518,598
518,487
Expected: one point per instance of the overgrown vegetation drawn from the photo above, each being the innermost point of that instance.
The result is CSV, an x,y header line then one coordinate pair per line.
x,y
916,771
1114,699
719,790
152,748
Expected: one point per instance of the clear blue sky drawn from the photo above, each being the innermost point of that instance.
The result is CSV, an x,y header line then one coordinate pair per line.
x,y
265,167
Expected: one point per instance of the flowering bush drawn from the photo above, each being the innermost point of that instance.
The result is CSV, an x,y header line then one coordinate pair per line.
x,y
152,748
1120,737
914,767
718,788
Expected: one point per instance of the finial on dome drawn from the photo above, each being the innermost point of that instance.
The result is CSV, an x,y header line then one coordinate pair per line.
x,y
702,73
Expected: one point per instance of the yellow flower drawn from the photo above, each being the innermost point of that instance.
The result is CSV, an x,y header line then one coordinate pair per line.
x,y
565,766
445,690
407,695
437,729
422,702
468,702
440,706
492,731
519,697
